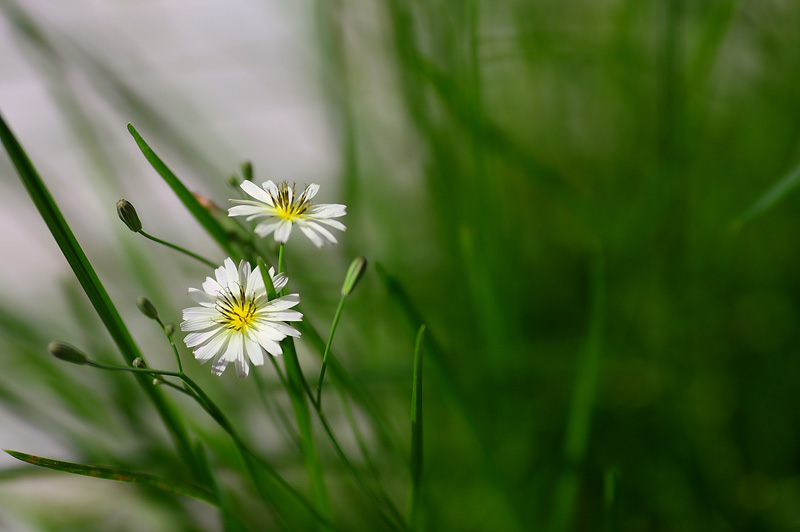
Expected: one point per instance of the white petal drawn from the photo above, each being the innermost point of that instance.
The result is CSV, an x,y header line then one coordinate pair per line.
x,y
270,187
281,328
216,346
204,298
196,338
255,191
283,231
281,303
284,315
246,210
279,281
211,286
221,274
321,230
327,210
254,352
266,228
311,234
218,365
333,223
311,190
233,275
242,367
270,346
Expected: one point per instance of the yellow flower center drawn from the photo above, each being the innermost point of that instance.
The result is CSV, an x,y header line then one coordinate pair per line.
x,y
288,204
238,311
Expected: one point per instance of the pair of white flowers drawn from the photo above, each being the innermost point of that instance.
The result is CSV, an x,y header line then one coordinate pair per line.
x,y
236,321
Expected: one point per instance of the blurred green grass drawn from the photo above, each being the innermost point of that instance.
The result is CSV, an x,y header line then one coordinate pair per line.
x,y
488,151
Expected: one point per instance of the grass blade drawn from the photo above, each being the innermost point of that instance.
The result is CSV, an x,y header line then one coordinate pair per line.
x,y
770,198
298,389
200,213
89,281
120,475
580,417
416,434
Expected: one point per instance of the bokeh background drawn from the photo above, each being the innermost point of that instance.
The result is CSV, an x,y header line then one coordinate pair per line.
x,y
559,190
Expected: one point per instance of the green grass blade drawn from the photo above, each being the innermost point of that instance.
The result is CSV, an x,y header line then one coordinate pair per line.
x,y
89,281
416,434
120,475
579,422
770,198
441,373
200,213
298,389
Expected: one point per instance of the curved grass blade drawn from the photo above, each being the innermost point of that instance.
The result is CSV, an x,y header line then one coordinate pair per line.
x,y
416,434
200,213
770,198
580,417
50,213
120,475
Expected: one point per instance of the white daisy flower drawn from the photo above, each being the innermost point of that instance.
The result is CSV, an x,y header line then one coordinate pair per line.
x,y
236,321
282,207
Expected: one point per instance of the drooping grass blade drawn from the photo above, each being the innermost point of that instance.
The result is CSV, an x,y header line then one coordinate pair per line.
x,y
200,213
416,434
120,475
50,213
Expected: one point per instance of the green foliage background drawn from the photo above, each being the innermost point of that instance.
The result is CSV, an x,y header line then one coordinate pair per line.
x,y
567,194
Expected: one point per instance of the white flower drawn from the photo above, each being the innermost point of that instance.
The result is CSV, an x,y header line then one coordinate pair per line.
x,y
282,207
236,320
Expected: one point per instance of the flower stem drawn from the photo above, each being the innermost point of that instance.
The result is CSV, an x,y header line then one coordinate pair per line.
x,y
280,258
171,343
328,350
178,248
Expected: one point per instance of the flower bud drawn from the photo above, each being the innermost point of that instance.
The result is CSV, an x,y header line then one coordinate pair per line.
x,y
147,308
127,213
354,274
233,180
67,353
169,329
247,170
139,362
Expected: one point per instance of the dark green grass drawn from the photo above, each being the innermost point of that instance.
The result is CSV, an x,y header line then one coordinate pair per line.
x,y
512,140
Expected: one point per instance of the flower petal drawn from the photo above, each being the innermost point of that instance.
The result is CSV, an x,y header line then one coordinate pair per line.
x,y
283,231
201,297
310,233
267,227
255,191
281,303
327,210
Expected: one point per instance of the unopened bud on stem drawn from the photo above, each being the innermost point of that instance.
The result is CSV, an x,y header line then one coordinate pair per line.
x,y
147,308
354,273
67,353
127,213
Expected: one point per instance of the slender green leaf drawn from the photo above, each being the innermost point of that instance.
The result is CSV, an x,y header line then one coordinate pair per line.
x,y
200,213
298,390
50,213
770,198
579,421
416,434
120,475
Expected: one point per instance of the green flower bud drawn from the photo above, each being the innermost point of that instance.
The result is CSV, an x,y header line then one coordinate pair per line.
x,y
67,353
139,362
169,329
233,180
247,170
354,274
127,213
147,308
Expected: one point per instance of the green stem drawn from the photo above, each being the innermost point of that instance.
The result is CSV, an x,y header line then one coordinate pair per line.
x,y
328,350
280,258
298,389
248,455
171,343
178,248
